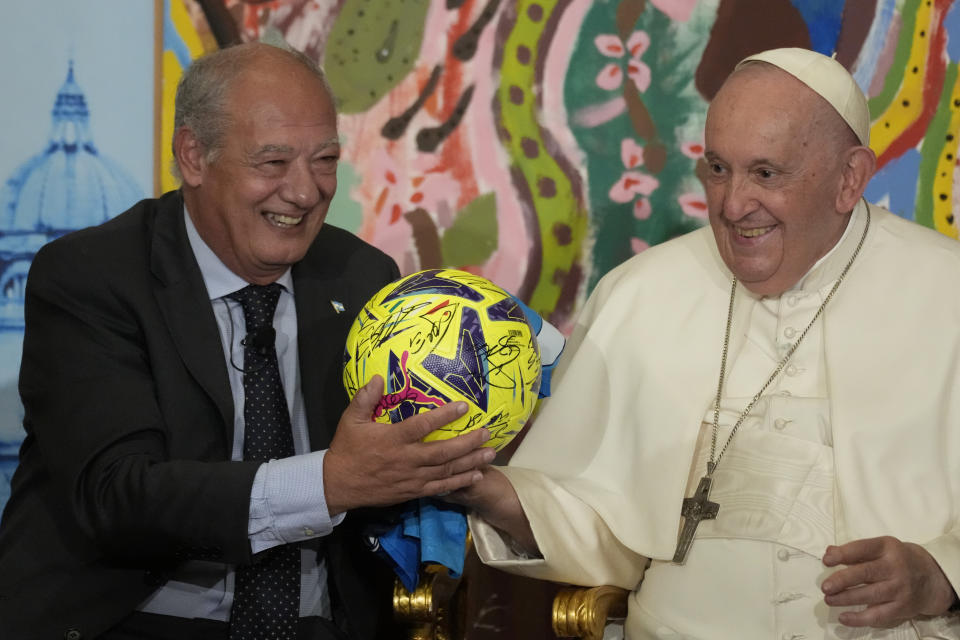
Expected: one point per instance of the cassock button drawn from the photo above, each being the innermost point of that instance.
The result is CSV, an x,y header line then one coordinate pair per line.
x,y
789,332
783,555
780,424
307,531
792,370
792,300
72,634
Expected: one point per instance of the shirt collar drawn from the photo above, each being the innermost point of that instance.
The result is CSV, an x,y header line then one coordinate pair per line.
x,y
218,278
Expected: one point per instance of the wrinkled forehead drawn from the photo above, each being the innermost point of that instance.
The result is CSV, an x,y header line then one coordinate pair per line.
x,y
283,79
768,115
827,78
759,93
292,92
756,92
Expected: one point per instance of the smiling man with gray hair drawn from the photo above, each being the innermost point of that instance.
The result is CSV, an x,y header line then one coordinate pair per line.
x,y
191,466
758,428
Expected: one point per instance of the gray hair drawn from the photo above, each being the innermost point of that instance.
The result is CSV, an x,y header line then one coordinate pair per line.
x,y
201,101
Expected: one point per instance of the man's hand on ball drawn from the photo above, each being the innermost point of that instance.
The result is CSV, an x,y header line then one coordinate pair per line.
x,y
375,464
896,580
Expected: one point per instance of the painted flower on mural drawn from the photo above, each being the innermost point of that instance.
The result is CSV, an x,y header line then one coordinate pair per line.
x,y
611,76
642,208
638,245
407,187
633,185
694,205
693,150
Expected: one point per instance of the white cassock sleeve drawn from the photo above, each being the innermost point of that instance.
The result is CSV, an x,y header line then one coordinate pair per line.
x,y
576,546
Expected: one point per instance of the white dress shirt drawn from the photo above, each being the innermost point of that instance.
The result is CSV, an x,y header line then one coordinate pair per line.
x,y
287,501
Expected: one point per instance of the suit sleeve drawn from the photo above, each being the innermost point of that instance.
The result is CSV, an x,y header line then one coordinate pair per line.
x,y
88,382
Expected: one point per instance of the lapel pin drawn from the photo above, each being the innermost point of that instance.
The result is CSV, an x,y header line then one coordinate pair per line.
x,y
337,306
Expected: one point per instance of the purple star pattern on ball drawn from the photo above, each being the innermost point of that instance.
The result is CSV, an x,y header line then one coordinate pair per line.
x,y
467,371
429,282
506,310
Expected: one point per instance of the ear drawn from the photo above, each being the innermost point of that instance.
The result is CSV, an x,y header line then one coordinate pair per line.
x,y
858,165
190,156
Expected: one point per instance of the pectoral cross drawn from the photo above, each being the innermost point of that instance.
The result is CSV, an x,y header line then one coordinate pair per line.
x,y
694,510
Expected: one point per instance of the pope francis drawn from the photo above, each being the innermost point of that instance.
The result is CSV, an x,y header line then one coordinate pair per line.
x,y
757,429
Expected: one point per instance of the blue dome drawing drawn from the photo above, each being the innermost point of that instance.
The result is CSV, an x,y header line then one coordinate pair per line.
x,y
68,186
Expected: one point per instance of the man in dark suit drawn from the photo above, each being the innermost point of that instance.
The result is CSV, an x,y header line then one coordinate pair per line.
x,y
136,507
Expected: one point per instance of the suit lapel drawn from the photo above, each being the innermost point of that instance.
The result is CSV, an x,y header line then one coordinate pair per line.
x,y
320,327
185,306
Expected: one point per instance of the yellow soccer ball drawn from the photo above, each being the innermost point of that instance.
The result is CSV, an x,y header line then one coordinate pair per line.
x,y
443,335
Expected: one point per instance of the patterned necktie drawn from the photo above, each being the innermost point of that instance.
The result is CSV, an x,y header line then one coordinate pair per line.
x,y
266,601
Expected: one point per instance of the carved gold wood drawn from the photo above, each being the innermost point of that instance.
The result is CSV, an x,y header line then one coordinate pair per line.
x,y
430,610
579,612
436,609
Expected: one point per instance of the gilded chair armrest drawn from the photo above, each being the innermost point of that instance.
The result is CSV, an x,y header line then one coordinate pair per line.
x,y
434,592
436,609
581,612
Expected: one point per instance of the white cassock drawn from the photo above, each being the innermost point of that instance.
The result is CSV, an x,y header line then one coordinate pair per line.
x,y
858,437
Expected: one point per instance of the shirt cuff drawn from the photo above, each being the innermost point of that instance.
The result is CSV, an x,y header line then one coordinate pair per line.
x,y
288,504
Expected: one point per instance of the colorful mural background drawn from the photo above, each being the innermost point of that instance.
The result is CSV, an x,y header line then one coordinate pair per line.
x,y
541,143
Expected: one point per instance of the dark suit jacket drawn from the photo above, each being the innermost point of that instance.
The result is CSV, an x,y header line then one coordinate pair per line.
x,y
124,471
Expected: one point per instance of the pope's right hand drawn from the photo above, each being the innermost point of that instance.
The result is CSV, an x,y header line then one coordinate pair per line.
x,y
494,499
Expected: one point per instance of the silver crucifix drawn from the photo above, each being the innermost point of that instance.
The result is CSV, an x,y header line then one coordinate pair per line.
x,y
694,510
